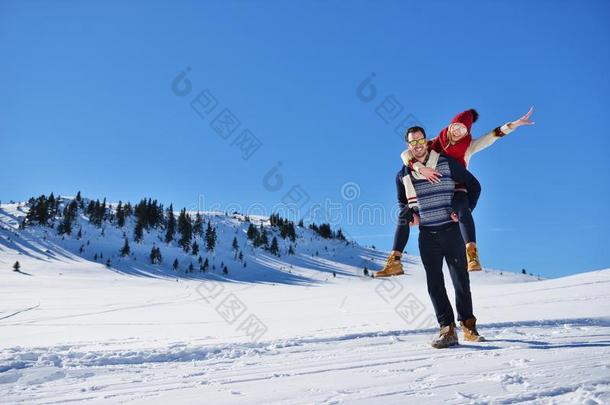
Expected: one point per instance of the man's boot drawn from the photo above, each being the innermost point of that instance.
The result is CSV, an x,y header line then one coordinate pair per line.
x,y
473,257
469,327
447,337
393,267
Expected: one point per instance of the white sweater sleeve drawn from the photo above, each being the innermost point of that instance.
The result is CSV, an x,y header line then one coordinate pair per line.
x,y
477,145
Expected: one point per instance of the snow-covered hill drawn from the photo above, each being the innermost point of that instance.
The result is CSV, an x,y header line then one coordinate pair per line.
x,y
280,330
103,243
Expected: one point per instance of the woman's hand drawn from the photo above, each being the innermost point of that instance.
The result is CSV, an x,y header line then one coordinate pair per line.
x,y
415,221
525,120
430,174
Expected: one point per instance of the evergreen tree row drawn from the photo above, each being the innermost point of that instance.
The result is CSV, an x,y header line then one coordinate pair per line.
x,y
325,231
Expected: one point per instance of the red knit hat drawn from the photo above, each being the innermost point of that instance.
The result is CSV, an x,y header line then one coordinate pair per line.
x,y
467,118
458,150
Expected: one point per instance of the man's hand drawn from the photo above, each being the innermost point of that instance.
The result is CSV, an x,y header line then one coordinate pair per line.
x,y
430,174
454,217
525,120
415,221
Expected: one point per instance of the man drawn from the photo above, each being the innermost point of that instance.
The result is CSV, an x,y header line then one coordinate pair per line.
x,y
439,236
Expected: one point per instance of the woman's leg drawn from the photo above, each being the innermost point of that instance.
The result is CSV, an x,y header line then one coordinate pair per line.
x,y
393,266
461,206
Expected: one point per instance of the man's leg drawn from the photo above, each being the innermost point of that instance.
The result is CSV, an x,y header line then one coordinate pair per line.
x,y
456,260
455,256
432,257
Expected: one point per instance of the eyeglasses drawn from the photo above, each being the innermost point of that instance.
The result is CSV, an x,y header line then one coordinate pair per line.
x,y
421,141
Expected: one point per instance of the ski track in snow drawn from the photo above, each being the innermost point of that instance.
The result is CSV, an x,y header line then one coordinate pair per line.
x,y
521,362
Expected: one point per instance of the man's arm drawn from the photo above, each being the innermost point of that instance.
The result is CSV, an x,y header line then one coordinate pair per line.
x,y
406,213
459,174
401,195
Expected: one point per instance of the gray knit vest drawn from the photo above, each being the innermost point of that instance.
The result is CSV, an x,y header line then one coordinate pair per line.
x,y
435,199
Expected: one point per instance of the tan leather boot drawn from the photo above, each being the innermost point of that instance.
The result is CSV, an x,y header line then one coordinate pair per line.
x,y
469,327
446,338
472,255
393,267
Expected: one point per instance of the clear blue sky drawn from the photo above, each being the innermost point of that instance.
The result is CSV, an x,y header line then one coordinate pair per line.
x,y
87,104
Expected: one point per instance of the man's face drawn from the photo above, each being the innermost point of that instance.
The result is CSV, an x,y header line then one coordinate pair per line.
x,y
417,144
457,131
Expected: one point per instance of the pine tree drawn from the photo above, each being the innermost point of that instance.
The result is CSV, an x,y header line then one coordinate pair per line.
x,y
340,235
191,268
198,225
95,257
108,263
225,270
274,249
16,266
185,227
235,245
155,255
128,209
65,227
175,265
79,234
138,232
125,249
120,215
52,205
290,250
252,233
240,256
210,237
206,264
195,248
325,231
171,224
263,239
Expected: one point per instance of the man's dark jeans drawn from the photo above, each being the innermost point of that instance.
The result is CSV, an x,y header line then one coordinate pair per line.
x,y
434,246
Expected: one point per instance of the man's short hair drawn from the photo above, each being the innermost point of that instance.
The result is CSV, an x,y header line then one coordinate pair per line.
x,y
413,130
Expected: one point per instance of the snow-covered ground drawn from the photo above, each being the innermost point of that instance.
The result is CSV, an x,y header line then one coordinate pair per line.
x,y
283,329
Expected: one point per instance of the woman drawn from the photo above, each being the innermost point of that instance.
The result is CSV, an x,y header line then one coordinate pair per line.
x,y
454,141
